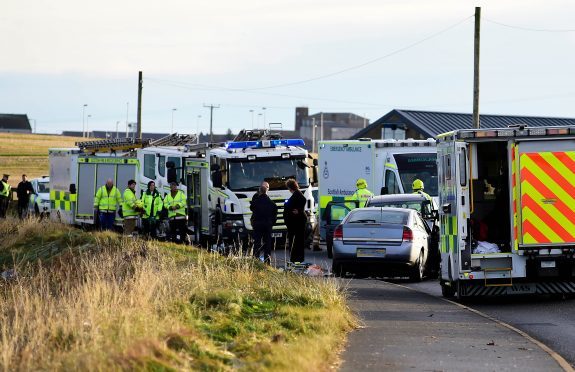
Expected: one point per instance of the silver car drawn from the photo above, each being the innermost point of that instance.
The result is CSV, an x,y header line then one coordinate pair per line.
x,y
382,241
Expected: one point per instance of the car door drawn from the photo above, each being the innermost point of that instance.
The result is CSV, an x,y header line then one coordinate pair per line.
x,y
335,212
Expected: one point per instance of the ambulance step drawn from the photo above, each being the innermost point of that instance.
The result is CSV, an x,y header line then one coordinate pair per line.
x,y
500,282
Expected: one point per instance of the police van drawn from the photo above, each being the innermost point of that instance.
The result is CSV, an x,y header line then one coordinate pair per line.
x,y
507,211
389,166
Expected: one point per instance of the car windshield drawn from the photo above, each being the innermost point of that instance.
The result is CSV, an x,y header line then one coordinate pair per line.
x,y
414,204
418,166
377,216
248,175
43,187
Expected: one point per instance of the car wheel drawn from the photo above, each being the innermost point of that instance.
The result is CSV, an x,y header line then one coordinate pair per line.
x,y
337,269
418,269
447,291
329,247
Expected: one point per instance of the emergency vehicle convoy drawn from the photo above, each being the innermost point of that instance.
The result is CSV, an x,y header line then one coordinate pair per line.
x,y
389,167
507,211
219,180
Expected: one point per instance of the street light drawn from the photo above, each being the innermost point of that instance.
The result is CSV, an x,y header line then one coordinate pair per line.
x,y
252,111
264,109
173,110
117,123
198,129
259,116
84,120
87,121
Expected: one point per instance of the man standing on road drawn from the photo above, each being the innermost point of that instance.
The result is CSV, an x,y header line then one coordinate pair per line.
x,y
295,220
23,192
264,214
152,204
5,195
130,208
362,193
175,203
106,202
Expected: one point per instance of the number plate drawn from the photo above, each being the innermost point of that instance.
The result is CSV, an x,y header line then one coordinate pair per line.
x,y
370,252
547,264
276,235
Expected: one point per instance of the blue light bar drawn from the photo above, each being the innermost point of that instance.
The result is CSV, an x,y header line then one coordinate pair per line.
x,y
264,144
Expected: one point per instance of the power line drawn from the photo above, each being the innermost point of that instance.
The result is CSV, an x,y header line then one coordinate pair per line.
x,y
528,28
320,77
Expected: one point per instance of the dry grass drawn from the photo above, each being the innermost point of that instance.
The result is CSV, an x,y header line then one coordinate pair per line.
x,y
28,153
102,302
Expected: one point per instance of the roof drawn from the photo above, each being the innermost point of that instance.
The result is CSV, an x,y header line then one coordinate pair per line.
x,y
14,121
433,123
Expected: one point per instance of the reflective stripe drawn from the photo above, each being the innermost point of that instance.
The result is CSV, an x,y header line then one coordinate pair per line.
x,y
62,200
547,197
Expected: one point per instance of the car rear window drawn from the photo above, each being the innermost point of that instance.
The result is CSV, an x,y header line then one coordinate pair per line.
x,y
377,216
398,204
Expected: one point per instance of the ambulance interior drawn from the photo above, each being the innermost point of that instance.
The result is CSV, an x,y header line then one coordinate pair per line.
x,y
490,198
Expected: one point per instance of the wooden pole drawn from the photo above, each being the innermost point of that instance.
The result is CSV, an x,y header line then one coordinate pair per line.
x,y
140,79
476,123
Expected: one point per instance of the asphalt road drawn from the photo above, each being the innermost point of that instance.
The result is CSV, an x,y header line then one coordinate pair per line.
x,y
550,320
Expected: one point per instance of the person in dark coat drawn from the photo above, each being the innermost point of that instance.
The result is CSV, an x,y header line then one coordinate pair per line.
x,y
295,220
264,214
24,191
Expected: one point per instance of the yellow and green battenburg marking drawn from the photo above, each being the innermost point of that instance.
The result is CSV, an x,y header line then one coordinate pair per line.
x,y
62,200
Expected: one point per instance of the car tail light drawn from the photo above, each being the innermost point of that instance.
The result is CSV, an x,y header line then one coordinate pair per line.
x,y
338,233
407,234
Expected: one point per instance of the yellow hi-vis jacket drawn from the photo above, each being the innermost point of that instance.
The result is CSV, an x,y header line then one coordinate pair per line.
x,y
179,201
107,202
129,203
362,195
152,204
427,196
5,190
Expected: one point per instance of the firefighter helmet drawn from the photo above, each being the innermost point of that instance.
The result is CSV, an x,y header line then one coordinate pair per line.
x,y
417,185
361,183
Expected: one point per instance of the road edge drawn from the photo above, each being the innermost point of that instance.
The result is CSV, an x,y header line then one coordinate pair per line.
x,y
564,364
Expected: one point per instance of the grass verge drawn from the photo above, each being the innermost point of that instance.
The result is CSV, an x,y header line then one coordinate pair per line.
x,y
101,301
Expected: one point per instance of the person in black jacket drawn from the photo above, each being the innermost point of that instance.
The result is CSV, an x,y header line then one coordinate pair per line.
x,y
295,220
264,214
23,192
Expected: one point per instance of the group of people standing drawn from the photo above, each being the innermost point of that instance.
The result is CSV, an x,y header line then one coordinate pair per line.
x,y
264,215
147,208
23,192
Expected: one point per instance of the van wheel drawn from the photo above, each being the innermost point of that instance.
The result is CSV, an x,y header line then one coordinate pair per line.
x,y
418,269
447,291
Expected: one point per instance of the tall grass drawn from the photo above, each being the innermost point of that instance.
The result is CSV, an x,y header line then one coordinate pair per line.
x,y
101,301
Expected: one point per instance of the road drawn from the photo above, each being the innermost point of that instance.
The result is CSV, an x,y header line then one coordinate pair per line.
x,y
547,319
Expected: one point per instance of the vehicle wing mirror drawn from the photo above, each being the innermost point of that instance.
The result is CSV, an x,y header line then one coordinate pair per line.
x,y
172,175
384,190
446,208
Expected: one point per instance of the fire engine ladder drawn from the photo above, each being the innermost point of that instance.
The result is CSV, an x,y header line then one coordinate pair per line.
x,y
112,145
499,270
175,139
256,135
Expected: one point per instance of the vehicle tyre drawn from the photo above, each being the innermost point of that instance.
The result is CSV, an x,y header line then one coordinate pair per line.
x,y
337,269
447,291
329,247
418,269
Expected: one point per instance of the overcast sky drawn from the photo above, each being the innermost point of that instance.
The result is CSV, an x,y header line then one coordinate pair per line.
x,y
249,54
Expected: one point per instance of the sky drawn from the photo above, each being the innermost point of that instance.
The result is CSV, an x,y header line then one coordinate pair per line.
x,y
259,59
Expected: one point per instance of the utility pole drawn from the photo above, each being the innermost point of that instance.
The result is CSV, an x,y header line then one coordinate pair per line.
x,y
127,116
84,120
139,124
476,123
321,126
117,123
313,129
212,107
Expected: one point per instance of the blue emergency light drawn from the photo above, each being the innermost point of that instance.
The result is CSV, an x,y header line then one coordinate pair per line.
x,y
264,144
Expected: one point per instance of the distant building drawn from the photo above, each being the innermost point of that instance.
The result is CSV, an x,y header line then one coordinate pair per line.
x,y
336,125
14,123
402,124
101,134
